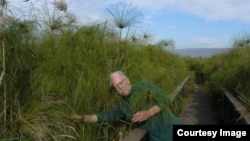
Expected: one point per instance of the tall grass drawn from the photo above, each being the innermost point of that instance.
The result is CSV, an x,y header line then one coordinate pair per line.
x,y
230,70
54,74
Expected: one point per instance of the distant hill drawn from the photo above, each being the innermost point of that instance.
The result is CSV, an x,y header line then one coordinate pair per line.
x,y
202,52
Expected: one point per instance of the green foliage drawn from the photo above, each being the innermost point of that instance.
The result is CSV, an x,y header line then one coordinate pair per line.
x,y
72,70
51,75
167,44
230,70
124,15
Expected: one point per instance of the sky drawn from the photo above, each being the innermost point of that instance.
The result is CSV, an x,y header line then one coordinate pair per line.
x,y
189,23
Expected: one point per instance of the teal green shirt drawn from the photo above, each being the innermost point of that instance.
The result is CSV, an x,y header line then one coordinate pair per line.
x,y
144,95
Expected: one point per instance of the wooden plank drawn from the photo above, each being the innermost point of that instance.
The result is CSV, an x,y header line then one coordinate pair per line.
x,y
237,104
136,135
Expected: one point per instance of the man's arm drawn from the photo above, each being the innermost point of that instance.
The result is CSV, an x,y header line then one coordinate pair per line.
x,y
86,118
153,111
145,115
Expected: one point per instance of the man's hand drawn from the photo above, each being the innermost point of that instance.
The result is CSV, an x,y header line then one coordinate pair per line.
x,y
140,116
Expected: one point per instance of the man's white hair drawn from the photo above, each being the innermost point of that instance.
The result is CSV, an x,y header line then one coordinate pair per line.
x,y
116,73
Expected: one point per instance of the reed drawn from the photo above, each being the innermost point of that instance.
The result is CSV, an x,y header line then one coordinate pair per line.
x,y
54,72
230,70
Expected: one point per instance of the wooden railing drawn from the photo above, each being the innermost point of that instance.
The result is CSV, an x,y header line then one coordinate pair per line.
x,y
138,134
237,105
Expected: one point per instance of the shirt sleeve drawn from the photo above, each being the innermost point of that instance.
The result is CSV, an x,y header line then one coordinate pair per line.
x,y
110,114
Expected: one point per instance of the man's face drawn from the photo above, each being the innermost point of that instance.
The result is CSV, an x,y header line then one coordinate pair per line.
x,y
121,85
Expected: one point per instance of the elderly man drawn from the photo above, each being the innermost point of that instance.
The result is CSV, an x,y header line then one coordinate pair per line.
x,y
144,104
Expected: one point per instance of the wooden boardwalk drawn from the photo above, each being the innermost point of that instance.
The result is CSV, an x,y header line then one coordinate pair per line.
x,y
199,110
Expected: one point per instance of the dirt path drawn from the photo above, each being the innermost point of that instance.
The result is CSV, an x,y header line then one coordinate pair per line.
x,y
198,110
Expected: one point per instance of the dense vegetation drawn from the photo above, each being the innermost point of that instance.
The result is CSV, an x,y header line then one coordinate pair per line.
x,y
229,70
57,67
52,70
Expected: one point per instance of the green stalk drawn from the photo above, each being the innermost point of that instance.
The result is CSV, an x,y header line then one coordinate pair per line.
x,y
4,90
4,80
103,32
127,32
